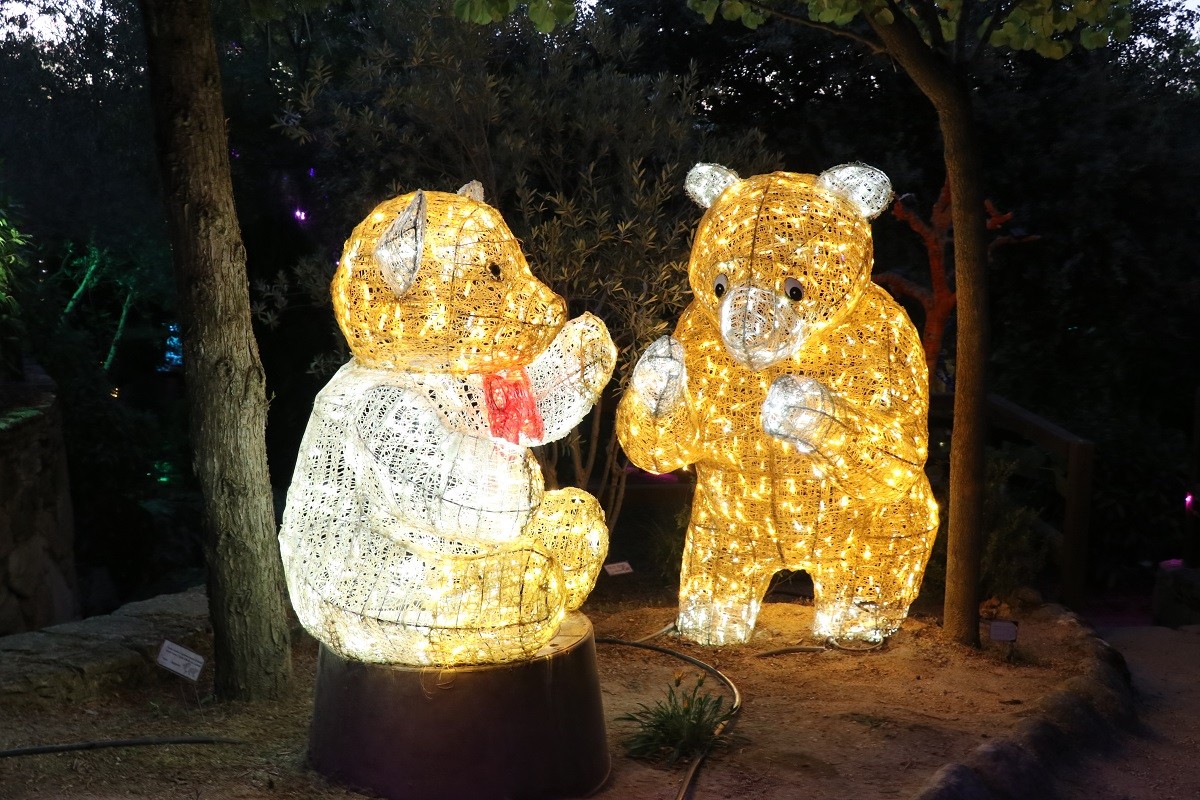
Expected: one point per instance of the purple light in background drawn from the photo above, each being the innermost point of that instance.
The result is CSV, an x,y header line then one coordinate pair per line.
x,y
300,214
312,172
1189,502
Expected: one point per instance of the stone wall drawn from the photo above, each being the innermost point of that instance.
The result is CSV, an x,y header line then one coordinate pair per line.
x,y
37,562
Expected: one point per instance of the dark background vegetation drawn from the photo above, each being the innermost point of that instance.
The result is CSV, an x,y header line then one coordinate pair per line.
x,y
582,138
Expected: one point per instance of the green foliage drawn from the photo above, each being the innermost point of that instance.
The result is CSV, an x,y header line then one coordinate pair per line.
x,y
683,725
73,313
1099,318
544,14
14,259
77,138
1016,542
957,28
749,14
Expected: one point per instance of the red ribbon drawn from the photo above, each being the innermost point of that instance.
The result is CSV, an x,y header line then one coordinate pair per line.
x,y
511,408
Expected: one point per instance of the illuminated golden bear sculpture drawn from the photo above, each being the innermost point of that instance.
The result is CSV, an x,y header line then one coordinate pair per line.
x,y
418,529
799,390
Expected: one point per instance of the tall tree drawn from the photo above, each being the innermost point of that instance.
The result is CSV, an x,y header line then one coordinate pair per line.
x,y
226,390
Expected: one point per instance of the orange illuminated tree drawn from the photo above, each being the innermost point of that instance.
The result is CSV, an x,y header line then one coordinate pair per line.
x,y
938,300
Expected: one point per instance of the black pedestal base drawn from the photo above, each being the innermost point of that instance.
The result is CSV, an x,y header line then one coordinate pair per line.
x,y
533,729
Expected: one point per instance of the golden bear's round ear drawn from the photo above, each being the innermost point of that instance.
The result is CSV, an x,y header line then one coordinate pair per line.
x,y
867,188
705,182
398,250
473,190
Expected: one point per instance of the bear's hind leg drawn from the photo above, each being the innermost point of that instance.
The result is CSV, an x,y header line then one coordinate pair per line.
x,y
723,579
570,525
867,598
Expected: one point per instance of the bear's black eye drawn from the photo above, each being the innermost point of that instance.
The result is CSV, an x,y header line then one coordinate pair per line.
x,y
793,289
495,270
721,284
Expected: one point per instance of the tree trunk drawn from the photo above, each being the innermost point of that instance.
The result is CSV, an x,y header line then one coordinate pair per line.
x,y
965,542
938,80
226,391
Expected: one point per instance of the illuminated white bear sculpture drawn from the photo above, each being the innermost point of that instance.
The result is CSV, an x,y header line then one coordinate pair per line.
x,y
418,530
799,390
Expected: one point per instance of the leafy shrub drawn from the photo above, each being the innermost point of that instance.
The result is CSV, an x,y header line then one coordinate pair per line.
x,y
687,723
1016,544
13,260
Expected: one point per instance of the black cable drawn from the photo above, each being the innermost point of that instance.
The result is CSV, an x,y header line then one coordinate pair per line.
x,y
798,648
97,745
839,646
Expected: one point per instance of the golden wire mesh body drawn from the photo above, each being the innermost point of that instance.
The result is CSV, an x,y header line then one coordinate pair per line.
x,y
799,391
418,529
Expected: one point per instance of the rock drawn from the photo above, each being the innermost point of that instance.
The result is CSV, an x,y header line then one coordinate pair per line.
x,y
956,782
1010,770
76,659
1071,712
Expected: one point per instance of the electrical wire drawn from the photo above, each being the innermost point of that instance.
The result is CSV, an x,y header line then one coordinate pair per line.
x,y
644,643
834,643
798,648
98,745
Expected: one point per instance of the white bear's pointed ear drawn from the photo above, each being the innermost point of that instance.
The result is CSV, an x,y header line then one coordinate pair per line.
x,y
867,188
473,190
399,248
705,182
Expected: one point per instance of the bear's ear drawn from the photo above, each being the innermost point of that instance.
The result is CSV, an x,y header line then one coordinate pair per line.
x,y
473,190
399,248
867,188
705,182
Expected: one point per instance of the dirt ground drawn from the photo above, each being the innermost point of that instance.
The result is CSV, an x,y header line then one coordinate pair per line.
x,y
824,724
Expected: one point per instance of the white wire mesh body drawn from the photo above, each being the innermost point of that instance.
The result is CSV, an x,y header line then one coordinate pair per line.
x,y
417,531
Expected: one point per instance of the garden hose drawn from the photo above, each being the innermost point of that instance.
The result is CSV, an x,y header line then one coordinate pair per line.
x,y
97,745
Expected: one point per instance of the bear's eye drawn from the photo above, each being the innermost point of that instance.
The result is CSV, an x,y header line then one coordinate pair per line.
x,y
495,270
721,284
793,289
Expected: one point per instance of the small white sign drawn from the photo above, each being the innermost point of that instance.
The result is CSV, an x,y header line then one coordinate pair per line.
x,y
1003,630
180,660
618,568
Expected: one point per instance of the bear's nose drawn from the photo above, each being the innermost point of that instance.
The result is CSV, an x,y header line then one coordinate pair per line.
x,y
543,307
759,327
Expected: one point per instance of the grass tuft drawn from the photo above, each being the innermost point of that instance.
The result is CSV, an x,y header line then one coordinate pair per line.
x,y
685,724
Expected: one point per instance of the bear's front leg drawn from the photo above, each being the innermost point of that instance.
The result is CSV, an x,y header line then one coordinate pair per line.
x,y
727,567
798,410
863,588
655,422
867,454
568,377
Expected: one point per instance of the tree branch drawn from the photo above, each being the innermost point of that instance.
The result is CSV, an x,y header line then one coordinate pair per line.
x,y
874,46
994,21
929,15
901,286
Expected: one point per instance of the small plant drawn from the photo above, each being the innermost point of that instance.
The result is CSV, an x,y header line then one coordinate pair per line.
x,y
685,725
13,254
